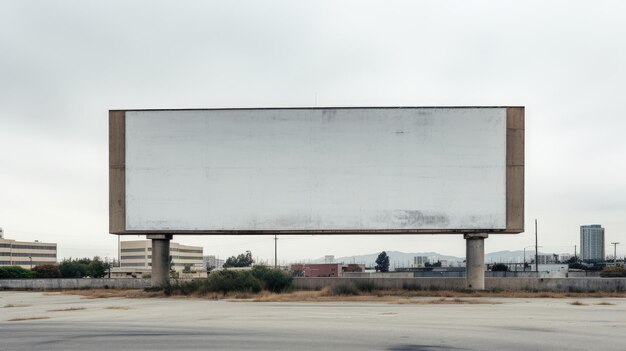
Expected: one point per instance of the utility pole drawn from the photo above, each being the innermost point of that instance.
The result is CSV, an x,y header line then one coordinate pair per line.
x,y
536,250
275,251
119,251
575,252
615,253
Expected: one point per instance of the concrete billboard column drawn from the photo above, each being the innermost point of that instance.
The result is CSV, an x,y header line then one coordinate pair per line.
x,y
475,260
160,259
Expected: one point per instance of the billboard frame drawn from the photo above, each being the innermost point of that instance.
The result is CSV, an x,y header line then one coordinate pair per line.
x,y
515,158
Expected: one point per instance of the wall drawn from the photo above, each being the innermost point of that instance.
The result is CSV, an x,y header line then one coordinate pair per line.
x,y
60,284
540,284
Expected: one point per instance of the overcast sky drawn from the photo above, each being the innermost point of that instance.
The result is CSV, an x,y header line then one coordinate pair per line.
x,y
64,64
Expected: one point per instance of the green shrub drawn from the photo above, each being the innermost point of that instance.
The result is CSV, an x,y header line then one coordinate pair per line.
x,y
366,287
273,280
226,281
186,288
412,287
16,272
47,271
345,289
231,281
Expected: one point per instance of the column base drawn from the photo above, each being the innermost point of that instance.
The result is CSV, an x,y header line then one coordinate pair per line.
x,y
160,276
475,261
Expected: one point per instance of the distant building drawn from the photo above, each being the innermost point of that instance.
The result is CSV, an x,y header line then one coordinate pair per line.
x,y
420,261
26,254
565,257
592,242
138,254
329,259
212,262
547,258
325,269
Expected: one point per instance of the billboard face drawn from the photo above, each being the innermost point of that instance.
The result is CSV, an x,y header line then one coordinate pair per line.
x,y
326,170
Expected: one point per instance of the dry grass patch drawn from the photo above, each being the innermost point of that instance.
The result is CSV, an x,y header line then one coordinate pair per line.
x,y
604,303
323,296
310,296
14,305
107,293
26,319
444,301
577,303
68,309
124,308
328,295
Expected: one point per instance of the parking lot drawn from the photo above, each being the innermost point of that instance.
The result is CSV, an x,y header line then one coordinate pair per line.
x,y
54,321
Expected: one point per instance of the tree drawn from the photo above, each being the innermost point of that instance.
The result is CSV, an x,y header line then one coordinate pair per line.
x,y
96,268
382,262
83,267
72,269
173,273
430,265
499,267
242,260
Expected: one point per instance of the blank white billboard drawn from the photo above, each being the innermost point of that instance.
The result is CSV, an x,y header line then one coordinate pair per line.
x,y
327,169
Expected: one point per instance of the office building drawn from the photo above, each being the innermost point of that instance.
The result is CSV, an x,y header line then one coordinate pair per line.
x,y
138,254
592,242
26,254
420,261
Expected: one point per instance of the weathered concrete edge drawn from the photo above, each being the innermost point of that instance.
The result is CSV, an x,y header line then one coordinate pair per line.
x,y
65,284
515,284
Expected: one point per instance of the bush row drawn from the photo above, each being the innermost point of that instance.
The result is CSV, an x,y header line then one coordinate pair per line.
x,y
226,281
72,268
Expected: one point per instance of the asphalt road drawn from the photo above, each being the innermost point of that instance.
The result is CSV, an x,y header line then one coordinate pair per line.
x,y
192,324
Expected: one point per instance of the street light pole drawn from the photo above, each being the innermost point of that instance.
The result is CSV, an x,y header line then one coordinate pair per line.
x,y
31,262
536,250
275,251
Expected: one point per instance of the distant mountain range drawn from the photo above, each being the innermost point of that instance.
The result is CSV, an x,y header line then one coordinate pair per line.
x,y
405,259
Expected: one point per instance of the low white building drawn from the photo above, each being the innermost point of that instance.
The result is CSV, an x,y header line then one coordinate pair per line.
x,y
212,262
